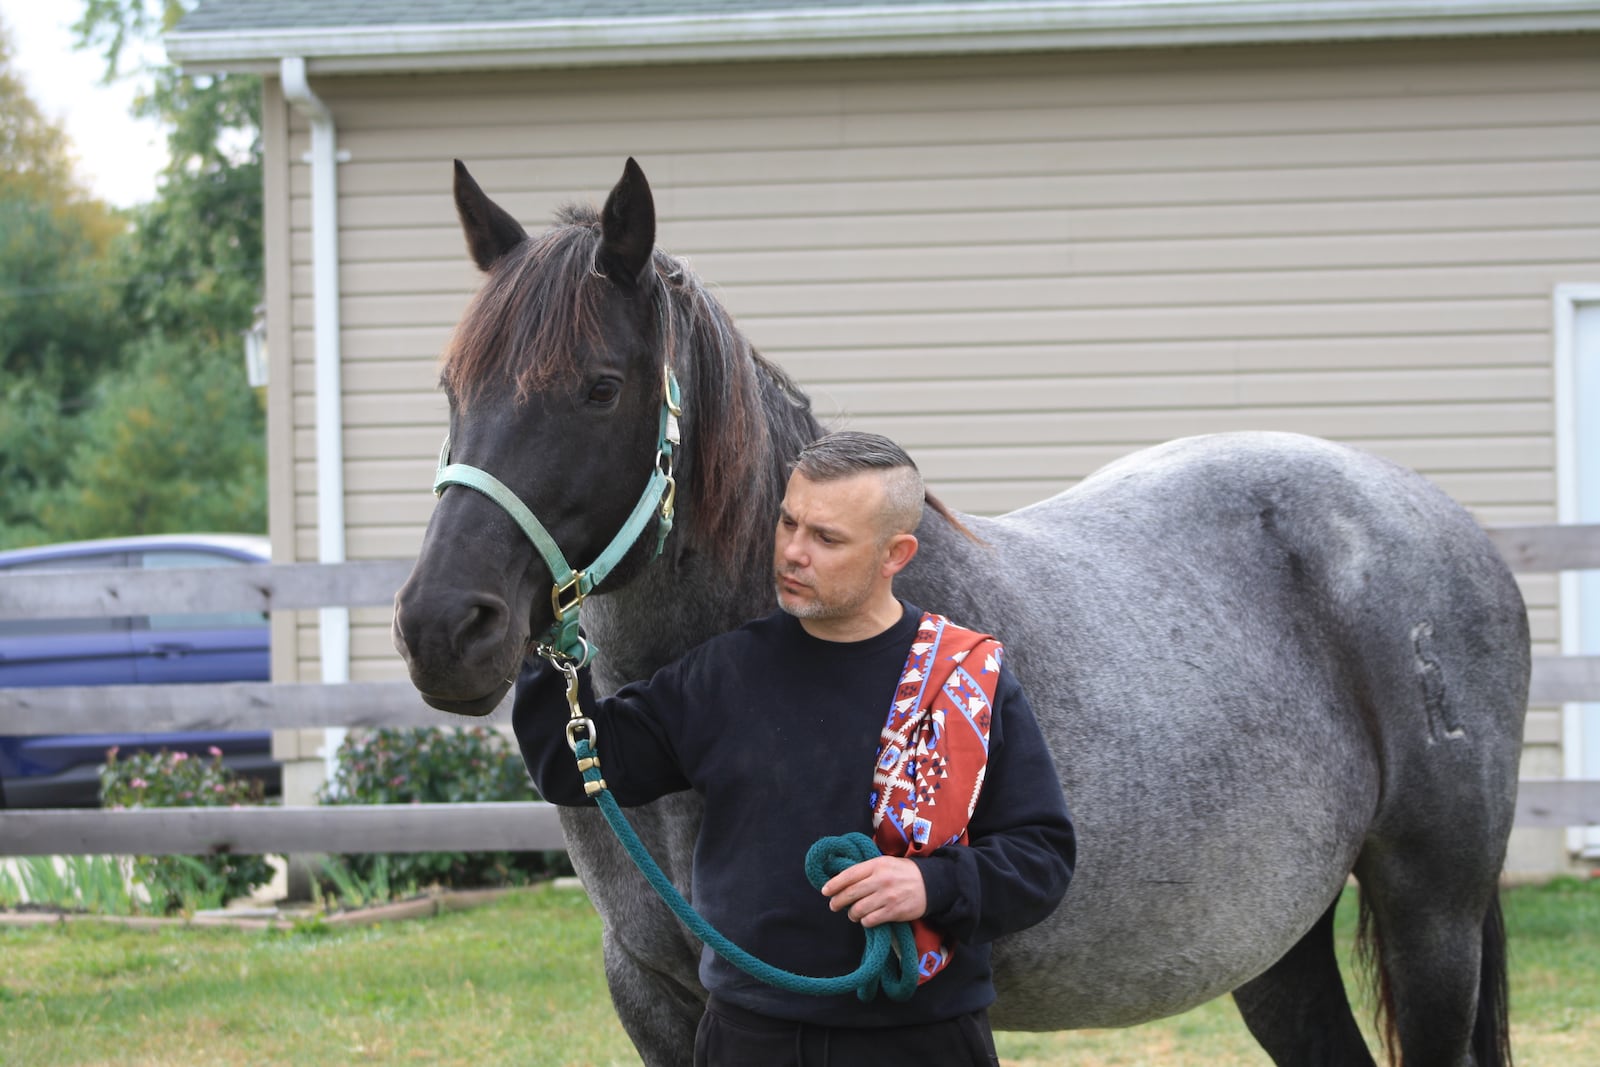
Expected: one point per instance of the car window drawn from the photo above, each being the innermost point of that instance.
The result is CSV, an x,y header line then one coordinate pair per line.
x,y
209,620
56,627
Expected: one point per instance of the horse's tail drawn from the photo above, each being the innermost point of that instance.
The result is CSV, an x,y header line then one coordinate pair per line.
x,y
1491,1034
1369,949
1491,1031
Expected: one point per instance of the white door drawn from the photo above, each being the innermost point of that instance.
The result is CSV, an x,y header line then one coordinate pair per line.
x,y
1578,473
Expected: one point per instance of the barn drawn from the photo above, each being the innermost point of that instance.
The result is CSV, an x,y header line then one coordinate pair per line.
x,y
1024,237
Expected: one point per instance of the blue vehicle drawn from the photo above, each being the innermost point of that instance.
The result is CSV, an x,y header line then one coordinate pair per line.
x,y
142,649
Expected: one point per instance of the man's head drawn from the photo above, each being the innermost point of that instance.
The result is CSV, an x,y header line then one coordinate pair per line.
x,y
845,529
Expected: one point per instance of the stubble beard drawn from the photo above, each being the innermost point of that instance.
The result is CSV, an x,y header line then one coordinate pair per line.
x,y
815,608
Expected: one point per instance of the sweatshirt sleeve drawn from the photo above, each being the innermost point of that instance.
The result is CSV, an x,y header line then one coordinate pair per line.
x,y
1021,845
632,736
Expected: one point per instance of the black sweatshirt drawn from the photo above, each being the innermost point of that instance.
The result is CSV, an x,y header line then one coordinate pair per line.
x,y
778,732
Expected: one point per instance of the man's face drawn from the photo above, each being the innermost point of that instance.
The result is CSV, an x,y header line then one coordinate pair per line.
x,y
829,555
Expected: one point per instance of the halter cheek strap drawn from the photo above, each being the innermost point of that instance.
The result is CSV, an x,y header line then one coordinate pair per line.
x,y
571,586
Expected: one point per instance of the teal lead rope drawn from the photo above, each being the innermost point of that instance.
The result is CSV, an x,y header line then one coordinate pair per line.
x,y
890,959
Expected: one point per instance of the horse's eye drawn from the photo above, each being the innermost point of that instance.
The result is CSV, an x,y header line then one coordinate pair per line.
x,y
605,391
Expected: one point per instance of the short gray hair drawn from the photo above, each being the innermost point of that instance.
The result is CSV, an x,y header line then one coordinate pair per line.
x,y
846,453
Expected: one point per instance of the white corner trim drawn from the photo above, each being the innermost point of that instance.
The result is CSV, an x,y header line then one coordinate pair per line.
x,y
934,28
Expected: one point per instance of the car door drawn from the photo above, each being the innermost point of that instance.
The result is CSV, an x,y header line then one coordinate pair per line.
x,y
217,646
53,652
58,652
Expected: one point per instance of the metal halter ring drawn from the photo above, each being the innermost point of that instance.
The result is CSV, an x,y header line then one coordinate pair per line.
x,y
568,665
573,726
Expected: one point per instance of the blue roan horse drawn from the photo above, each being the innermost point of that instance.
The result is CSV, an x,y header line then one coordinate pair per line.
x,y
1263,661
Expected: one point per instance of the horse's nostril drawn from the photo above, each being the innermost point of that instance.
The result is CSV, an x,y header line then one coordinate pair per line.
x,y
483,624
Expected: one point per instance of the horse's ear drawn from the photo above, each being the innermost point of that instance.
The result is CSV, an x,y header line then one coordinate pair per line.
x,y
490,229
628,228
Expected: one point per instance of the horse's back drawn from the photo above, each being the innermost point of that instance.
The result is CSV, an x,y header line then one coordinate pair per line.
x,y
1230,643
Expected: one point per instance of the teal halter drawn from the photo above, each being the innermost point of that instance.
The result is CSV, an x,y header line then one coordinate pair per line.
x,y
572,586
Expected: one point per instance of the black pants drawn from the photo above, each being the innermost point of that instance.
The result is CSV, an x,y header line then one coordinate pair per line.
x,y
733,1037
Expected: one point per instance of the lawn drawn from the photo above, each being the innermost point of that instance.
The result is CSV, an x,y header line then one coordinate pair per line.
x,y
518,982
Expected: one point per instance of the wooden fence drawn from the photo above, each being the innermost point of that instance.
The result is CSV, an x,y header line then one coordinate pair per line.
x,y
431,827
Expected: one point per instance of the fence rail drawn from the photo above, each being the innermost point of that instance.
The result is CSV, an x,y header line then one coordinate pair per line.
x,y
430,827
517,827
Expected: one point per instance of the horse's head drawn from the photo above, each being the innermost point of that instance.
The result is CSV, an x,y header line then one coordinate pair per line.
x,y
555,381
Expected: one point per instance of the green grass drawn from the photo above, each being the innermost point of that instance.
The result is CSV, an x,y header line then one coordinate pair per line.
x,y
519,982
514,982
1554,937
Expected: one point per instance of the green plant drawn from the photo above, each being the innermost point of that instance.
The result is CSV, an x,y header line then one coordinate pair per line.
x,y
10,888
354,891
97,884
178,780
436,765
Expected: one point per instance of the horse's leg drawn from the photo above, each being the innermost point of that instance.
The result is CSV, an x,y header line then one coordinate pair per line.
x,y
657,1012
1297,1008
1441,981
651,961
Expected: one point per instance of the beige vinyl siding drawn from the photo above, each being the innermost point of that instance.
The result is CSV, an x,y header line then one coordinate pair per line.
x,y
1022,267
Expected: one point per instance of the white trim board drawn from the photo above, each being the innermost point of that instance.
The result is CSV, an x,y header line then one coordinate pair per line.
x,y
807,32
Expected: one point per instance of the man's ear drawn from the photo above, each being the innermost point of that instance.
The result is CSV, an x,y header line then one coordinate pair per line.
x,y
901,549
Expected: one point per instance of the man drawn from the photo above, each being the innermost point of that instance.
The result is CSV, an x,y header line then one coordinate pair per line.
x,y
806,724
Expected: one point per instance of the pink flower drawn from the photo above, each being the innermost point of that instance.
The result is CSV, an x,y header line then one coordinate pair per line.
x,y
138,783
218,788
214,751
179,757
397,781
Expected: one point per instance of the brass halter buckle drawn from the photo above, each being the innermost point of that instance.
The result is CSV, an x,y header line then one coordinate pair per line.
x,y
572,587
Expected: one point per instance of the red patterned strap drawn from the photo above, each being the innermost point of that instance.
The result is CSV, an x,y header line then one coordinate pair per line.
x,y
933,753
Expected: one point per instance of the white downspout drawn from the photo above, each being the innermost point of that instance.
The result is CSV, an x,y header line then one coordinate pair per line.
x,y
333,623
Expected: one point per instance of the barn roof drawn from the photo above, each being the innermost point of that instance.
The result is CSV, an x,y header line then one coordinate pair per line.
x,y
349,36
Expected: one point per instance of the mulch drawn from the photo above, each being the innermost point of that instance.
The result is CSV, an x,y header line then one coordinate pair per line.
x,y
424,905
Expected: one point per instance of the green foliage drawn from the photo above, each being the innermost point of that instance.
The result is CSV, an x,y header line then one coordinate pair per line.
x,y
35,442
193,266
173,443
59,306
178,780
96,884
123,403
353,891
34,150
436,766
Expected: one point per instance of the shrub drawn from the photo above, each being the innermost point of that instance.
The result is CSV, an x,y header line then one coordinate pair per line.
x,y
436,765
178,780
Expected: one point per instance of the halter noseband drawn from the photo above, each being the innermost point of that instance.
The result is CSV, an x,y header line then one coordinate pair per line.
x,y
571,586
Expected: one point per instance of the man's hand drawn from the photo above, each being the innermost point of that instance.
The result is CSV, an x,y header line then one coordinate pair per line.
x,y
882,890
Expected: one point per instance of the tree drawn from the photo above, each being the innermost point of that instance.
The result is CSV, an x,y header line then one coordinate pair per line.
x,y
60,303
197,257
171,437
172,444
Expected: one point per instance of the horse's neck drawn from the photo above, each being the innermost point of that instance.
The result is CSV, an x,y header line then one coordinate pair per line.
x,y
678,602
694,593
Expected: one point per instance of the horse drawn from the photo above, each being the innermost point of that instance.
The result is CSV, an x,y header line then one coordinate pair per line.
x,y
1264,662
